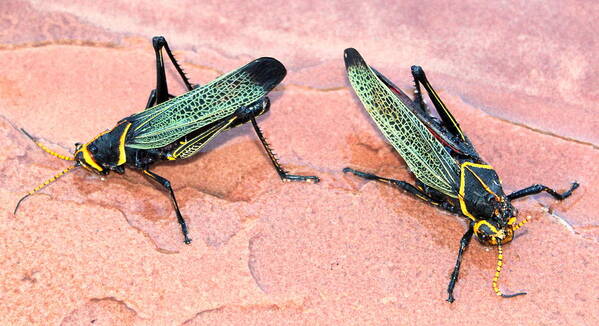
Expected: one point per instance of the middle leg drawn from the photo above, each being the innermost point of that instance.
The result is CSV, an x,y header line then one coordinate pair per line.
x,y
166,184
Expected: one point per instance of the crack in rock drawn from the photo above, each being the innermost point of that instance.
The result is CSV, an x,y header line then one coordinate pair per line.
x,y
252,261
299,308
108,310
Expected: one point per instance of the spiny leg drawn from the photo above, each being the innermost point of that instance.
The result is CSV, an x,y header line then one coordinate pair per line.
x,y
448,120
418,100
275,161
456,270
161,90
535,189
166,184
160,93
420,77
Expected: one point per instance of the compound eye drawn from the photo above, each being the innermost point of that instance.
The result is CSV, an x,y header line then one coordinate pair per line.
x,y
93,148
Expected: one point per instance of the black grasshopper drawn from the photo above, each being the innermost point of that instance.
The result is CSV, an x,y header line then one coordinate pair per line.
x,y
449,172
174,128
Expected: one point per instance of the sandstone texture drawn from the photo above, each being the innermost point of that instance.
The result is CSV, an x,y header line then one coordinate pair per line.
x,y
521,77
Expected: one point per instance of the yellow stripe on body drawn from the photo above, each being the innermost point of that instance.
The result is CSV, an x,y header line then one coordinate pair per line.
x,y
463,185
87,156
89,159
122,154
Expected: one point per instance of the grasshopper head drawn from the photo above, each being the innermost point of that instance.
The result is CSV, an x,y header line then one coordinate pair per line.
x,y
492,233
498,224
84,156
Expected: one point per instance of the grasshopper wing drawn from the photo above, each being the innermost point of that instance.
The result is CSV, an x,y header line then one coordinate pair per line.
x,y
169,121
426,157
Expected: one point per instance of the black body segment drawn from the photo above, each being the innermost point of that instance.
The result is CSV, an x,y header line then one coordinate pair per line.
x,y
449,172
479,187
174,128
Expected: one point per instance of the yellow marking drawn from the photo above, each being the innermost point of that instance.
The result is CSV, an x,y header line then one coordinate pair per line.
x,y
89,159
482,182
496,233
423,198
478,224
87,156
461,195
519,225
463,186
200,137
122,155
47,182
52,179
46,149
499,265
53,153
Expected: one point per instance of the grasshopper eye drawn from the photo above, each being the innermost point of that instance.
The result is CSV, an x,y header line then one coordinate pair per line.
x,y
93,148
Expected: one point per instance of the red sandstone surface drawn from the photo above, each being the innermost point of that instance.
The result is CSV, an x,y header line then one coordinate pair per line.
x,y
520,77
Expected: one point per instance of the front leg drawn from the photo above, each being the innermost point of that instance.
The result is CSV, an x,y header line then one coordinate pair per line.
x,y
166,184
282,173
456,270
535,189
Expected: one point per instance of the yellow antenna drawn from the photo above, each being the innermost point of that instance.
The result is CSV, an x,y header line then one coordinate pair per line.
x,y
46,149
47,182
519,225
498,271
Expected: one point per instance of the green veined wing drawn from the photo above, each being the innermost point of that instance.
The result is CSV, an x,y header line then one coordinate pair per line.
x,y
452,135
195,143
165,123
426,157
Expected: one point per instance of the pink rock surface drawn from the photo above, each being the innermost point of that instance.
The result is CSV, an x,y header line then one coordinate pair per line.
x,y
518,77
